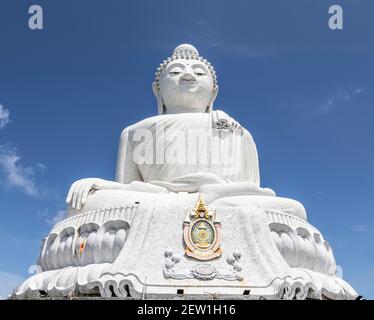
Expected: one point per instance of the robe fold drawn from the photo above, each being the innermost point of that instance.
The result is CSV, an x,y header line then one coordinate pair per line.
x,y
166,147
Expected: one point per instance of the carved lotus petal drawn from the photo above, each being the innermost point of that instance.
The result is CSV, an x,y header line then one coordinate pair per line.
x,y
204,272
176,258
168,252
237,254
230,259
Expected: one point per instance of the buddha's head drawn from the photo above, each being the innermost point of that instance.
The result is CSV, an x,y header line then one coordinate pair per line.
x,y
185,82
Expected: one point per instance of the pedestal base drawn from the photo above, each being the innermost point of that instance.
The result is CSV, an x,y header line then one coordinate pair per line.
x,y
152,263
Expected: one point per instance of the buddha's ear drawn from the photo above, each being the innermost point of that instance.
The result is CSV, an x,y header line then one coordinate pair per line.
x,y
160,103
214,96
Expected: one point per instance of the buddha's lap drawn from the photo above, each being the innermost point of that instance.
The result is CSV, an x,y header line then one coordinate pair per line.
x,y
105,199
285,205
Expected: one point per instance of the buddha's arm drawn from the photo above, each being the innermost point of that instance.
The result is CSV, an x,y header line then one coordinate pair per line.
x,y
213,192
128,177
81,189
126,170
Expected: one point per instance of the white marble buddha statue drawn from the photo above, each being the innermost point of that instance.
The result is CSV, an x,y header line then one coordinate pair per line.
x,y
213,154
125,237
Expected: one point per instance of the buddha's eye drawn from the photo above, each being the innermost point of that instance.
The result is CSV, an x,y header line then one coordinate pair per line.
x,y
199,72
175,71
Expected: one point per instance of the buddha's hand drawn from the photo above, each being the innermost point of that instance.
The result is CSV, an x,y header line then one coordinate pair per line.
x,y
80,190
190,182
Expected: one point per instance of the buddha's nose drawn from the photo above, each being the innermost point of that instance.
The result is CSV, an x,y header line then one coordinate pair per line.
x,y
188,76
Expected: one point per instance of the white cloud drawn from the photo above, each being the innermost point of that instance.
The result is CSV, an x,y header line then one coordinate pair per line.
x,y
12,172
41,166
339,97
4,117
359,91
51,217
8,282
15,173
59,216
361,228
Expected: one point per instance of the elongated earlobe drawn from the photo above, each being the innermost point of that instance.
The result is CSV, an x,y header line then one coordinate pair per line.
x,y
160,104
211,102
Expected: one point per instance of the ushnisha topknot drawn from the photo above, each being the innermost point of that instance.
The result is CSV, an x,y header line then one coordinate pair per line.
x,y
189,52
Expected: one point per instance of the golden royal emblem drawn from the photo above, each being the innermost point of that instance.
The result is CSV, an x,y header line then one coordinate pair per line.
x,y
202,233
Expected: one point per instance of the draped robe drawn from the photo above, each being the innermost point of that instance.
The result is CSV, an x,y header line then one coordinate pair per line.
x,y
165,147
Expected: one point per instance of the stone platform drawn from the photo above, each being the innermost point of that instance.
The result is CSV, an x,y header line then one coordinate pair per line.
x,y
133,250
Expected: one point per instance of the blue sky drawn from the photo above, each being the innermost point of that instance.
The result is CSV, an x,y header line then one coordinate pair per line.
x,y
305,93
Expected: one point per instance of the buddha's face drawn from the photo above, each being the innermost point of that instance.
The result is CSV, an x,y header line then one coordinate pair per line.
x,y
186,86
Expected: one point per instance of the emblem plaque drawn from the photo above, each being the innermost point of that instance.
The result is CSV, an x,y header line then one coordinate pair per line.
x,y
202,233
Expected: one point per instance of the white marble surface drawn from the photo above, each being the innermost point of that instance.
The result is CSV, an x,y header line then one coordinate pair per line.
x,y
138,269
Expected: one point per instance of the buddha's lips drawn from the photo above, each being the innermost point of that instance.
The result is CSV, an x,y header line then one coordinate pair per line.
x,y
188,82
